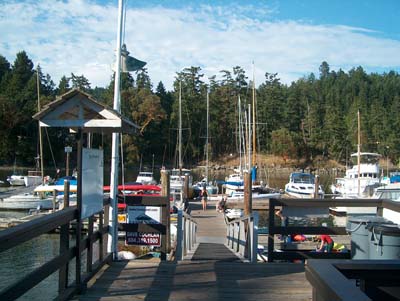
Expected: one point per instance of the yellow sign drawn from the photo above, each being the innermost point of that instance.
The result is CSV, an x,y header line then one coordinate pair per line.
x,y
121,218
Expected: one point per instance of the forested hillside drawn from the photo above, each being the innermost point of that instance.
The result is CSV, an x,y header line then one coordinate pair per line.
x,y
316,116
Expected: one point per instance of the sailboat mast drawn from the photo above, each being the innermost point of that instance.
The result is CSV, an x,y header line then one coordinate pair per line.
x,y
208,117
358,151
249,139
40,129
240,136
180,128
254,120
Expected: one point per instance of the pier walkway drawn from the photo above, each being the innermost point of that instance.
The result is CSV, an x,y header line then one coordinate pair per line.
x,y
212,272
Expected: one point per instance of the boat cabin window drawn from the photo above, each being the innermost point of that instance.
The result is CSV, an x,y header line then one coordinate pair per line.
x,y
388,194
303,178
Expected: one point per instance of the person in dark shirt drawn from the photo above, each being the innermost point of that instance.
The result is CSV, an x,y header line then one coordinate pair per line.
x,y
204,197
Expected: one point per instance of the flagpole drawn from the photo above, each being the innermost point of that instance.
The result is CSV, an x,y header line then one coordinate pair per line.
x,y
113,242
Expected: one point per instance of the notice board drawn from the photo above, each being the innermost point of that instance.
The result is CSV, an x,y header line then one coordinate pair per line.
x,y
92,181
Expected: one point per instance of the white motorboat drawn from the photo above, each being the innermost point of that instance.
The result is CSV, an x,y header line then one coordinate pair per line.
x,y
390,192
198,187
146,178
33,178
360,180
234,213
239,195
302,185
42,197
16,180
234,182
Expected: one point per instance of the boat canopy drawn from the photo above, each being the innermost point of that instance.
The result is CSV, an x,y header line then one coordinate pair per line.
x,y
299,177
366,158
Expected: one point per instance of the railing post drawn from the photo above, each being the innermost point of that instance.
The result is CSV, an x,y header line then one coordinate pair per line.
x,y
271,223
379,209
165,191
78,234
178,252
164,221
184,235
89,256
104,220
54,200
64,244
254,237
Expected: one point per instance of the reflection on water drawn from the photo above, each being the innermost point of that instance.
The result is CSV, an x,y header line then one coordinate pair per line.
x,y
23,259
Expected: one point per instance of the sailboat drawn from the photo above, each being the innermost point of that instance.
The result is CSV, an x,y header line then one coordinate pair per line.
x,y
205,183
234,182
43,196
15,179
145,177
177,175
34,177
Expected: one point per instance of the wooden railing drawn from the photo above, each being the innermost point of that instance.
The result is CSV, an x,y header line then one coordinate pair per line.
x,y
334,280
186,234
313,203
61,220
242,236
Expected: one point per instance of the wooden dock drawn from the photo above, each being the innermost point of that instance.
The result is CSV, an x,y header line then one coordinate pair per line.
x,y
212,272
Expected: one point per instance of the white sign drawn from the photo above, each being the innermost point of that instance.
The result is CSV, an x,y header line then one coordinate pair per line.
x,y
92,181
144,215
68,149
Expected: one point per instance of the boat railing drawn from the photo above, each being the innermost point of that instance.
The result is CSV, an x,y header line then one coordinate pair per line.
x,y
274,230
242,236
94,243
185,235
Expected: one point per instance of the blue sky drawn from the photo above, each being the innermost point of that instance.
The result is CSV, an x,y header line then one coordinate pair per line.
x,y
290,38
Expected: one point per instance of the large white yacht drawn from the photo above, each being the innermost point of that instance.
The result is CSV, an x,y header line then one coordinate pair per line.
x,y
360,180
146,178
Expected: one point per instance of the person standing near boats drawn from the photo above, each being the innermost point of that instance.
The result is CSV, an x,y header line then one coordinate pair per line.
x,y
204,197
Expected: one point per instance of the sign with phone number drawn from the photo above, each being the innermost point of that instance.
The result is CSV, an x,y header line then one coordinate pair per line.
x,y
143,239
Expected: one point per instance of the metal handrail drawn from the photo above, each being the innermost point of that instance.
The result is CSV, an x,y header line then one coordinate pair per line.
x,y
242,236
186,234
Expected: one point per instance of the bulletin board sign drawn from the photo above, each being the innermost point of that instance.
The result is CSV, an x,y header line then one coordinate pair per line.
x,y
92,181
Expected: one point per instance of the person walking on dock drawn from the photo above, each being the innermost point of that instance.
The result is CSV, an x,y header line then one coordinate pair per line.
x,y
204,196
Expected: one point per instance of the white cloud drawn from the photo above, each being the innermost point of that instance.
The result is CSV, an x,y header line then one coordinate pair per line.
x,y
78,36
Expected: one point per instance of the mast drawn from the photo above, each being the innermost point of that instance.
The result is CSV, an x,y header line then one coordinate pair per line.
x,y
180,129
208,117
358,151
40,129
249,139
113,243
240,136
254,120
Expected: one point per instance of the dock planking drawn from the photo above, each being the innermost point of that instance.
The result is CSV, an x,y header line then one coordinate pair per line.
x,y
212,273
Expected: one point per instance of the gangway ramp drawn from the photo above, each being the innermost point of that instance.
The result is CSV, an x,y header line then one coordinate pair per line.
x,y
213,272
